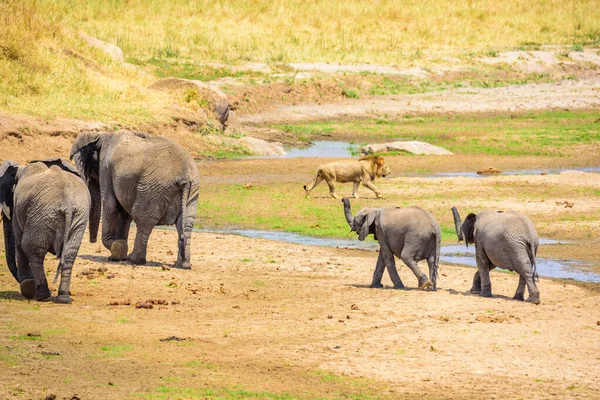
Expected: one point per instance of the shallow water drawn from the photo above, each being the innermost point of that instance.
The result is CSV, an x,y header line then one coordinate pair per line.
x,y
515,172
456,254
321,148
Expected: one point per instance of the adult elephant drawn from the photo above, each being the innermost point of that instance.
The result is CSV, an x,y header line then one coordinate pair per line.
x,y
45,208
411,234
503,239
135,176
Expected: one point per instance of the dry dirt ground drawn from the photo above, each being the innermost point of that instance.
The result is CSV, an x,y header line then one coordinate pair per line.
x,y
257,319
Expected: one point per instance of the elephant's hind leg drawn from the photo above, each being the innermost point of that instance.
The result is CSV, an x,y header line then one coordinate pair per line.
x,y
534,292
520,293
41,291
433,272
411,263
140,246
68,256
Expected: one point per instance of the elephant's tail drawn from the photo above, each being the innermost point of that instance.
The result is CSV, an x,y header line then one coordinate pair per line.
x,y
531,254
438,249
68,222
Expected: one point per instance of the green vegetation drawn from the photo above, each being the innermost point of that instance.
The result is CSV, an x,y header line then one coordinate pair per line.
x,y
552,133
114,350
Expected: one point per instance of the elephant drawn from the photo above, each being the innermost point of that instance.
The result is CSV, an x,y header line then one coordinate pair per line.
x,y
45,208
411,234
135,176
503,239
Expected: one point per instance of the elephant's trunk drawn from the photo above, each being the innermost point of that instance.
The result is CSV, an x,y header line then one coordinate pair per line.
x,y
9,246
95,209
457,224
348,213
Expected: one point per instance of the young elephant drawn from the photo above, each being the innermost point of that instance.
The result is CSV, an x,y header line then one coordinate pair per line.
x,y
411,234
48,212
503,239
134,176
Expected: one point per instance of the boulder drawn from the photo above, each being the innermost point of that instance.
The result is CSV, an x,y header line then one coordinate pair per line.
x,y
260,147
215,97
112,50
413,147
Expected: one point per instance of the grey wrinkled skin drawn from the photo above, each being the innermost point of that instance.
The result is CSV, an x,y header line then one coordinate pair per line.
x,y
48,212
411,234
503,239
134,176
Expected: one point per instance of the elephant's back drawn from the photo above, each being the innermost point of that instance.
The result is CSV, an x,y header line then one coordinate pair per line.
x,y
410,220
158,157
44,198
500,225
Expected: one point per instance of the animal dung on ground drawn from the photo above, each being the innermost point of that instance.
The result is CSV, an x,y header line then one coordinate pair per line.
x,y
489,171
143,304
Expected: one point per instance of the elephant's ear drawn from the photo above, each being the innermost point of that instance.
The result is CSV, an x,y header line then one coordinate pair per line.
x,y
59,162
366,225
8,180
468,228
85,153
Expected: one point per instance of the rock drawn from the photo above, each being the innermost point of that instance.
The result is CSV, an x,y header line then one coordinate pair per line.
x,y
489,171
412,146
260,147
113,51
215,96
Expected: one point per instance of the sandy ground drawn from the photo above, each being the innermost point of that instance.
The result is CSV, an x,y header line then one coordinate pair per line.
x,y
293,319
580,94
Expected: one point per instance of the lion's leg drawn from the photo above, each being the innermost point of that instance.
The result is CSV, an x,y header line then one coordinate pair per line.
x,y
355,190
313,184
331,184
370,185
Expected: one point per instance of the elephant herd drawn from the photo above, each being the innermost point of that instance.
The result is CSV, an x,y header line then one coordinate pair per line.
x,y
126,177
120,177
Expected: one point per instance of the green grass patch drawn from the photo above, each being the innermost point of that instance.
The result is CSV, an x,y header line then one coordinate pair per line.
x,y
553,133
114,350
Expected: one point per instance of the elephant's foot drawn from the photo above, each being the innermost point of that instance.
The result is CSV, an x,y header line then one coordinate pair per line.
x,y
399,287
519,296
28,288
475,290
424,283
485,293
137,260
63,299
182,265
534,300
42,293
118,250
376,285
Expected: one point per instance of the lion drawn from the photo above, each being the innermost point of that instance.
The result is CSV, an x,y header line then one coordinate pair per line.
x,y
363,170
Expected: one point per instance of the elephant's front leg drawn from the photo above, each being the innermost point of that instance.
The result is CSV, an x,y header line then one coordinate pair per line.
x,y
111,211
483,266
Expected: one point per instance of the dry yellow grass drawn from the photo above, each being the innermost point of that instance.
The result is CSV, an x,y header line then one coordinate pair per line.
x,y
389,32
47,70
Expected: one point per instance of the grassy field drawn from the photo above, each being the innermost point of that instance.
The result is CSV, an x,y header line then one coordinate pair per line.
x,y
552,133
